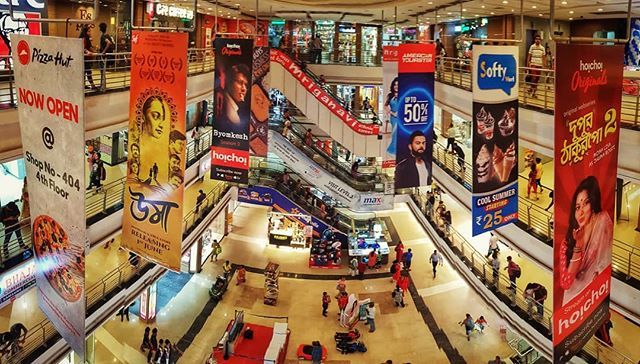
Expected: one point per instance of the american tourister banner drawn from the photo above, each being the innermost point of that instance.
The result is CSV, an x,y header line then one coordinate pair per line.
x,y
390,92
495,137
414,134
153,196
260,103
232,110
587,122
49,77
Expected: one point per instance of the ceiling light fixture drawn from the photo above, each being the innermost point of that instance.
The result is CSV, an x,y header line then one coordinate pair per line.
x,y
505,2
482,6
600,9
464,9
534,7
564,3
492,13
539,14
571,12
570,18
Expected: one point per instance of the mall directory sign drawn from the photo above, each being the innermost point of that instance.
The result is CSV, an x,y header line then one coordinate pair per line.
x,y
414,134
495,137
390,93
154,187
232,110
49,78
587,122
260,103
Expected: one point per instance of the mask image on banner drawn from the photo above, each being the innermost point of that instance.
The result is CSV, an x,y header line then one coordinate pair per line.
x,y
260,102
390,85
586,133
414,136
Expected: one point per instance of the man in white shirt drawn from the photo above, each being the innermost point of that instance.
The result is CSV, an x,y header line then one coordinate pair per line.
x,y
371,316
414,170
536,59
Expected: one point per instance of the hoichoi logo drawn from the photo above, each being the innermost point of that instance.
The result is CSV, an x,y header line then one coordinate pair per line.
x,y
588,74
232,50
497,72
229,158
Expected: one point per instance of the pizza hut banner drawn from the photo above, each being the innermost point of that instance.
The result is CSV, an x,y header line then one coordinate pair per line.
x,y
495,137
390,92
321,95
232,110
587,123
49,76
154,188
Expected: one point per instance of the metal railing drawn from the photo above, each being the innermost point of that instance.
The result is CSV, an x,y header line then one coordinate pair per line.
x,y
124,274
535,219
103,200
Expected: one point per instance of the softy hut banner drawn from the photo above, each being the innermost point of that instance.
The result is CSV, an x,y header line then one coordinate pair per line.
x,y
153,196
414,134
232,110
390,92
587,121
49,78
260,103
495,137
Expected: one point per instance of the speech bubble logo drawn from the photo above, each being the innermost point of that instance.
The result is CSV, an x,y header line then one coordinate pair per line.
x,y
497,72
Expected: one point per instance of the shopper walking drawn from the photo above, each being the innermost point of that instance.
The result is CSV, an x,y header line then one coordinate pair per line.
x,y
446,221
468,324
341,286
10,215
362,267
153,344
495,264
373,259
539,172
353,266
531,182
241,275
159,352
435,259
174,353
408,257
217,250
457,150
371,317
308,138
480,324
399,249
395,270
316,352
89,54
536,59
398,296
343,301
200,199
146,343
493,245
123,312
452,131
107,45
226,268
403,282
326,299
316,50
514,272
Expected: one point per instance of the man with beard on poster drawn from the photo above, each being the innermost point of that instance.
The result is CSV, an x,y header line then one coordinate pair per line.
x,y
414,170
235,108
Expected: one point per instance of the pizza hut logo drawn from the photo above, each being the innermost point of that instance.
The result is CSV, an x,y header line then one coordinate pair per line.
x,y
232,50
24,52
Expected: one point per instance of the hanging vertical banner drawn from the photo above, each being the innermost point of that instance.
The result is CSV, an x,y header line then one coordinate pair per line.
x,y
260,103
495,137
49,77
587,121
414,134
232,110
153,196
390,90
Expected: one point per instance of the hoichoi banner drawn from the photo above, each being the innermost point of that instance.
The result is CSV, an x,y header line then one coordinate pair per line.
x,y
414,134
495,137
232,110
49,76
321,95
260,103
391,102
587,121
154,188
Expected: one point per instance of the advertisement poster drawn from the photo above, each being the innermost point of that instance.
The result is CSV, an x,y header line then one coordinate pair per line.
x,y
587,123
321,95
495,137
414,134
390,92
16,282
232,110
153,196
49,78
325,181
33,9
260,102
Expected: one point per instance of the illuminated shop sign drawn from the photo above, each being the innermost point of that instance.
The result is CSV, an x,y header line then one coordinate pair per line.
x,y
174,11
13,283
346,29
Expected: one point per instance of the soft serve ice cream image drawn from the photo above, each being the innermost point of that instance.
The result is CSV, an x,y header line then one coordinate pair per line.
x,y
508,122
485,124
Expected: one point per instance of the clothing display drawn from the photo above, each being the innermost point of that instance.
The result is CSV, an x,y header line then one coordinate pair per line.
x,y
271,287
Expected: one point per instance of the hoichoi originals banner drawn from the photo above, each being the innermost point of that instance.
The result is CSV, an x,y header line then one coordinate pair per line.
x,y
587,120
49,76
391,102
154,188
414,134
260,103
232,110
495,137
321,95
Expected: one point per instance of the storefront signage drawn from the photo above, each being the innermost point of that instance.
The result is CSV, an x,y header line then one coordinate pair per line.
x,y
174,11
325,181
153,197
232,105
32,9
16,282
495,137
49,76
321,95
390,92
414,134
587,126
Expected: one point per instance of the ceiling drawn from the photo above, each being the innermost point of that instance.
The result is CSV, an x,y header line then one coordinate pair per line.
x,y
411,12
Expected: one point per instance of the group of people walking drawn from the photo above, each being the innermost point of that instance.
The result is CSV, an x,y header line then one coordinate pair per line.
x,y
159,351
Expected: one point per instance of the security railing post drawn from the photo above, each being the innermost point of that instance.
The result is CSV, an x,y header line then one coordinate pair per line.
x,y
635,118
104,201
545,92
529,216
548,227
629,267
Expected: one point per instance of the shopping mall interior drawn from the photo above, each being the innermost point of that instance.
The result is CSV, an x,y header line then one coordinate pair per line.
x,y
273,266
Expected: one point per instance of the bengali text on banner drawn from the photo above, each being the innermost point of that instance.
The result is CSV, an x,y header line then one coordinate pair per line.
x,y
587,121
49,77
153,196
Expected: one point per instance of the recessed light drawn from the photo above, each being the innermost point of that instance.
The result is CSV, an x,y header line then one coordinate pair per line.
x,y
492,13
448,13
539,14
564,3
464,9
476,15
534,7
209,8
600,9
570,18
571,12
430,2
505,2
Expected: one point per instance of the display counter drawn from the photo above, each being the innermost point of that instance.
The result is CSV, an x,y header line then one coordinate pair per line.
x,y
289,229
361,247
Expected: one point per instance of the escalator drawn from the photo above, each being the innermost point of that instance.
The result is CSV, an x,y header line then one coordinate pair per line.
x,y
303,89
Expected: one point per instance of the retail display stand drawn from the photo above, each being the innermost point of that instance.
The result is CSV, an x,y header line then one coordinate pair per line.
x,y
271,288
325,253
